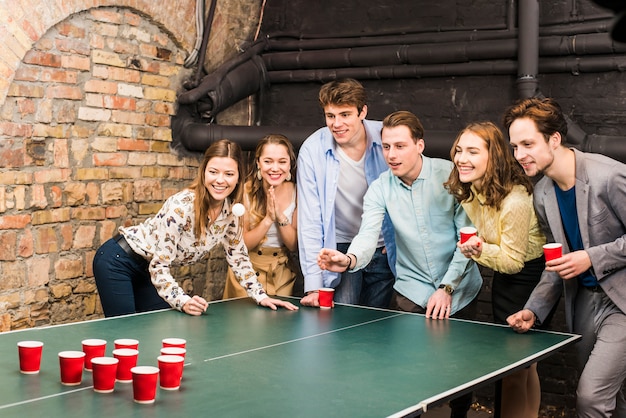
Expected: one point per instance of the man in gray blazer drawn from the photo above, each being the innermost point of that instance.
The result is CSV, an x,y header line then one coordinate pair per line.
x,y
580,203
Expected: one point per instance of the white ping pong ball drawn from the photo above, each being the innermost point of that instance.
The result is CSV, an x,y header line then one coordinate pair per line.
x,y
238,209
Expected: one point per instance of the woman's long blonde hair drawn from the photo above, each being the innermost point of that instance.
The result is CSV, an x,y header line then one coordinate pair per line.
x,y
256,199
203,200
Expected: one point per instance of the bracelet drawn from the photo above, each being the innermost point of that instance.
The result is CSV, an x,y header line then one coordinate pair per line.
x,y
350,266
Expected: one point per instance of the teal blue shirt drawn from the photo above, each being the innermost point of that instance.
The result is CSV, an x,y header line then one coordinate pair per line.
x,y
426,219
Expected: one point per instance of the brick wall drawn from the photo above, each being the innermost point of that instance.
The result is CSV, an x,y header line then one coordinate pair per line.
x,y
86,96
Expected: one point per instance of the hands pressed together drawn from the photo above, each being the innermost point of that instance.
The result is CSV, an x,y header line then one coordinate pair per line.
x,y
195,306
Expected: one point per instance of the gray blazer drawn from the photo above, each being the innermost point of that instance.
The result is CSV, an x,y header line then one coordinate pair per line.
x,y
601,207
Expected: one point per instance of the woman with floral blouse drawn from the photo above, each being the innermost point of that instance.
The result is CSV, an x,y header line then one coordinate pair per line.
x,y
132,269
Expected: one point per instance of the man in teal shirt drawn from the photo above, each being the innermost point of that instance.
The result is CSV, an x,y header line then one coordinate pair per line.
x,y
433,277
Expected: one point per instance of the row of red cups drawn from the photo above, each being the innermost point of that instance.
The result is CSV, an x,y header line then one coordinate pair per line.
x,y
122,367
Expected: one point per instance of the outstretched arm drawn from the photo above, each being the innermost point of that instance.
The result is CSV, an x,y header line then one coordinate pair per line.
x,y
333,260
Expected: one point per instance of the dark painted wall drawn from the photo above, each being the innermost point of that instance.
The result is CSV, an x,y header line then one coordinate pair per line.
x,y
593,100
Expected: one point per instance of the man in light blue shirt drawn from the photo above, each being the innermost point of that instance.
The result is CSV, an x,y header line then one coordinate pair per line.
x,y
433,276
431,272
336,164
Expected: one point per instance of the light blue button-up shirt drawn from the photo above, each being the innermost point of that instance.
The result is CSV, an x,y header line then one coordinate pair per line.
x,y
426,219
317,179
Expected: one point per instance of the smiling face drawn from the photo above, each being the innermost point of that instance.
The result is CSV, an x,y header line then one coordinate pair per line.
x,y
530,147
402,153
345,123
471,158
274,164
220,177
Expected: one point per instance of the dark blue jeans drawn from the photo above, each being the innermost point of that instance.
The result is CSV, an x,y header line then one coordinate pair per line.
x,y
370,286
123,282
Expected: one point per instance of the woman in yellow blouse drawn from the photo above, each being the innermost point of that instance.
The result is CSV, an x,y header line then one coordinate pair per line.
x,y
269,223
497,196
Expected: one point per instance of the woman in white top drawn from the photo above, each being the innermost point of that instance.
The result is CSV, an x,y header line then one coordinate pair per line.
x,y
270,219
133,269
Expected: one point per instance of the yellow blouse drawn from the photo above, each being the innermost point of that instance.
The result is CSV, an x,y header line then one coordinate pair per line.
x,y
512,235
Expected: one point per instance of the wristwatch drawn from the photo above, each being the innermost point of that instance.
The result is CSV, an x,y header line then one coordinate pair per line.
x,y
449,289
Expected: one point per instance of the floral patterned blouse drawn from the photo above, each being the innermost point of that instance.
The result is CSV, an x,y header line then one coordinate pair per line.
x,y
168,239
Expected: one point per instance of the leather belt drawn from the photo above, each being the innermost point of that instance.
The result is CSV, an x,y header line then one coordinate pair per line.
x,y
121,241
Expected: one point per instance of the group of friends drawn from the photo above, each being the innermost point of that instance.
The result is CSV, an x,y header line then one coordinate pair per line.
x,y
377,220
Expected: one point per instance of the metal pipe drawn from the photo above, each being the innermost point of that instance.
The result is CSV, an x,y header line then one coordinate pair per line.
x,y
573,65
213,80
451,52
204,44
528,50
192,58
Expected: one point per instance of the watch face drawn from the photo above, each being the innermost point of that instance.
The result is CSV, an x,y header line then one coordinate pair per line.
x,y
447,288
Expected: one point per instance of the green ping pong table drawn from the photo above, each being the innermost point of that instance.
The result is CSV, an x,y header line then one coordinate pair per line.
x,y
246,360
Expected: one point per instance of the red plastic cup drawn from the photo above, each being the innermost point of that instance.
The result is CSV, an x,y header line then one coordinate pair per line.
x,y
29,353
144,383
170,371
174,342
552,251
128,360
93,347
467,232
104,372
326,297
126,343
173,351
71,364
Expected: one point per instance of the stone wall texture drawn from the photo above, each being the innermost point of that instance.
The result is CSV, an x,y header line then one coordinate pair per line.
x,y
87,89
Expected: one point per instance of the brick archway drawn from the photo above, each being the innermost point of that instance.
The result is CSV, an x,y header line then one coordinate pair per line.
x,y
28,21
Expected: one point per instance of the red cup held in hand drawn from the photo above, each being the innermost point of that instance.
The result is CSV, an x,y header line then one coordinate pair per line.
x,y
29,353
553,251
466,233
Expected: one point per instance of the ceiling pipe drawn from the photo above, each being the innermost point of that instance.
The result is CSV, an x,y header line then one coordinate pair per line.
x,y
528,49
281,42
203,46
572,65
452,52
528,85
245,75
197,137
